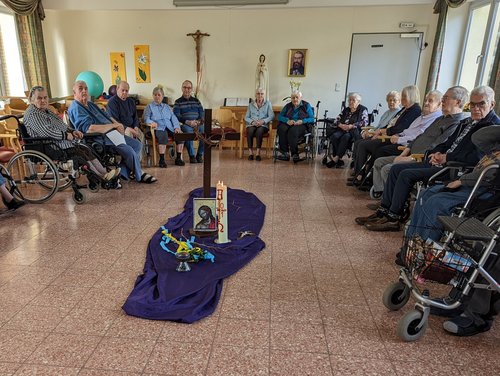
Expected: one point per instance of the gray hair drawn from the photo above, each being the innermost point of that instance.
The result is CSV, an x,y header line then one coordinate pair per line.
x,y
122,83
484,91
393,94
79,82
412,94
34,90
435,93
158,89
461,94
355,95
260,90
296,92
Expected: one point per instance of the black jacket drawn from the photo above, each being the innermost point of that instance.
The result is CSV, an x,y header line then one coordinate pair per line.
x,y
406,117
466,152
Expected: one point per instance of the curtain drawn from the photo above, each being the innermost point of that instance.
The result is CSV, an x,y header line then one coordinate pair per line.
x,y
30,33
25,7
441,8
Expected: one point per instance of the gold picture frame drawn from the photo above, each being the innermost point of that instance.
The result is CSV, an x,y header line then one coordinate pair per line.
x,y
297,59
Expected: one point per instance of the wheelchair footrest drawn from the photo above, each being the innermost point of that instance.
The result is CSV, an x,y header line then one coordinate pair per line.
x,y
467,228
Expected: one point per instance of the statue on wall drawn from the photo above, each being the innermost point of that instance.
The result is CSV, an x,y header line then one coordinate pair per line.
x,y
262,76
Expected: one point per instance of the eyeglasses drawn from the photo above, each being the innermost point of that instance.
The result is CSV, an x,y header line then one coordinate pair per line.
x,y
187,87
478,104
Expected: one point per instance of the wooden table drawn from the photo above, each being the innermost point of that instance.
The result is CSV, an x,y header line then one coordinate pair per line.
x,y
240,112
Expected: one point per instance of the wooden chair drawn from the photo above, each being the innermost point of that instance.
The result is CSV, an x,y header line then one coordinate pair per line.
x,y
227,120
8,134
151,142
268,138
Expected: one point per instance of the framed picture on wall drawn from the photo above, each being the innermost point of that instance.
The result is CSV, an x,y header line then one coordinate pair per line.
x,y
297,62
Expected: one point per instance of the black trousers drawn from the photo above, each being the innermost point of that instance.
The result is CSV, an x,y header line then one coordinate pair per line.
x,y
341,140
375,148
289,137
258,133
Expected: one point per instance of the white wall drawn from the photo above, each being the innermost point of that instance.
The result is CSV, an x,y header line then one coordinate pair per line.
x,y
82,40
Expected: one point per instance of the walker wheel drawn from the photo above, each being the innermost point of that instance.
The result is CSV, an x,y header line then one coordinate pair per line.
x,y
407,327
93,187
395,296
79,198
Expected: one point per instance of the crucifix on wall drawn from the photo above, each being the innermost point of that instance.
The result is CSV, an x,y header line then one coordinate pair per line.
x,y
197,40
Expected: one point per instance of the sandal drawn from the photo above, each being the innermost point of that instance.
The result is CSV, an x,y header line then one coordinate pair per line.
x,y
147,179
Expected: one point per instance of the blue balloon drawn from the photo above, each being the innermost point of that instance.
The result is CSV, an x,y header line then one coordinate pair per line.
x,y
93,81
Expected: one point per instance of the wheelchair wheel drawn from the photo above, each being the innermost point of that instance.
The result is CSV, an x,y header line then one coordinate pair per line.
x,y
79,197
35,175
408,329
396,295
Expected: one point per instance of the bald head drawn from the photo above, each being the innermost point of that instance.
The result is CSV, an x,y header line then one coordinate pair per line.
x,y
122,90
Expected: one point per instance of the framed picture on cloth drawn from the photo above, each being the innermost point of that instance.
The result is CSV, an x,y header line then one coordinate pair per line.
x,y
297,62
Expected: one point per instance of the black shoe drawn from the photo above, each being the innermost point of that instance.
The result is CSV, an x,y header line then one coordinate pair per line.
x,y
199,158
162,163
340,164
296,158
330,164
192,159
445,312
400,262
179,162
324,160
283,157
13,204
250,157
464,326
258,158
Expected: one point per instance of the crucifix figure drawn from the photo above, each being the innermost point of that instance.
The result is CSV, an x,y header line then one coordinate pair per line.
x,y
197,39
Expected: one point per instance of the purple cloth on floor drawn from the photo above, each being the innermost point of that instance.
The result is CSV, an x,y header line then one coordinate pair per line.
x,y
162,293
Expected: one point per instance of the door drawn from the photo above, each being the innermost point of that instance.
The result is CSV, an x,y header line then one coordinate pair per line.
x,y
380,63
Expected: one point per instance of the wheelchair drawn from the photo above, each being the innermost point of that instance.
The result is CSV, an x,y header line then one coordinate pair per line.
x,y
42,168
308,145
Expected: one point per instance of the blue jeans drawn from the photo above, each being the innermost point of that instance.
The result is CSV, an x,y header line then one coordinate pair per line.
x,y
2,180
432,203
189,144
130,153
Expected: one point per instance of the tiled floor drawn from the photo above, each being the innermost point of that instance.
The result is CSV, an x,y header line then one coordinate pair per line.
x,y
309,304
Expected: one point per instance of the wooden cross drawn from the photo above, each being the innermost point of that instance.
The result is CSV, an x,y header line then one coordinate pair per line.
x,y
197,39
207,163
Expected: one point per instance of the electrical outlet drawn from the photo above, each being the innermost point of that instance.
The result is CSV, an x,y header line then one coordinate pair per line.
x,y
406,25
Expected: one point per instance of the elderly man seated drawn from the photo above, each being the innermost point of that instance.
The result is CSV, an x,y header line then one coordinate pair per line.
x,y
294,120
458,148
88,118
452,104
122,108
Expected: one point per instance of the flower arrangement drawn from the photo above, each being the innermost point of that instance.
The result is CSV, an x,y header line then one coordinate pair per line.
x,y
294,86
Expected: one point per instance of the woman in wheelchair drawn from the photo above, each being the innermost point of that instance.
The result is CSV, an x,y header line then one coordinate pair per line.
x,y
294,121
348,130
41,122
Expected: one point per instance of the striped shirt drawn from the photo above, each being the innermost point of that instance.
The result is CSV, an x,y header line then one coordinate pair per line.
x,y
44,123
188,109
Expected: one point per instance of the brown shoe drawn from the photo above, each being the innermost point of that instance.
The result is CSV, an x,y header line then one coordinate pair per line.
x,y
373,206
383,224
362,220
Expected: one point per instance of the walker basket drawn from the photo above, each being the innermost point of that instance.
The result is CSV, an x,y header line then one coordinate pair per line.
x,y
430,261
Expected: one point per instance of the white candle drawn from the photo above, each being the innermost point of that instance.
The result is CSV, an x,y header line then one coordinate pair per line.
x,y
221,202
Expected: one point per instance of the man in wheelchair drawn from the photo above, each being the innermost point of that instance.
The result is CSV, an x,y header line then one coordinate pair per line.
x,y
442,200
40,122
458,149
88,118
295,120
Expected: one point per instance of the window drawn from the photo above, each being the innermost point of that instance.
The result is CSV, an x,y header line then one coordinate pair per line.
x,y
481,43
12,81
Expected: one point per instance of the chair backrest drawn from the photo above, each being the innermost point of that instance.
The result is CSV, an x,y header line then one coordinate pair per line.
x,y
224,116
18,104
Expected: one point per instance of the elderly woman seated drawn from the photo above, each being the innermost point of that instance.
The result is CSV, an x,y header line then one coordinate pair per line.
x,y
41,122
258,117
158,115
294,122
